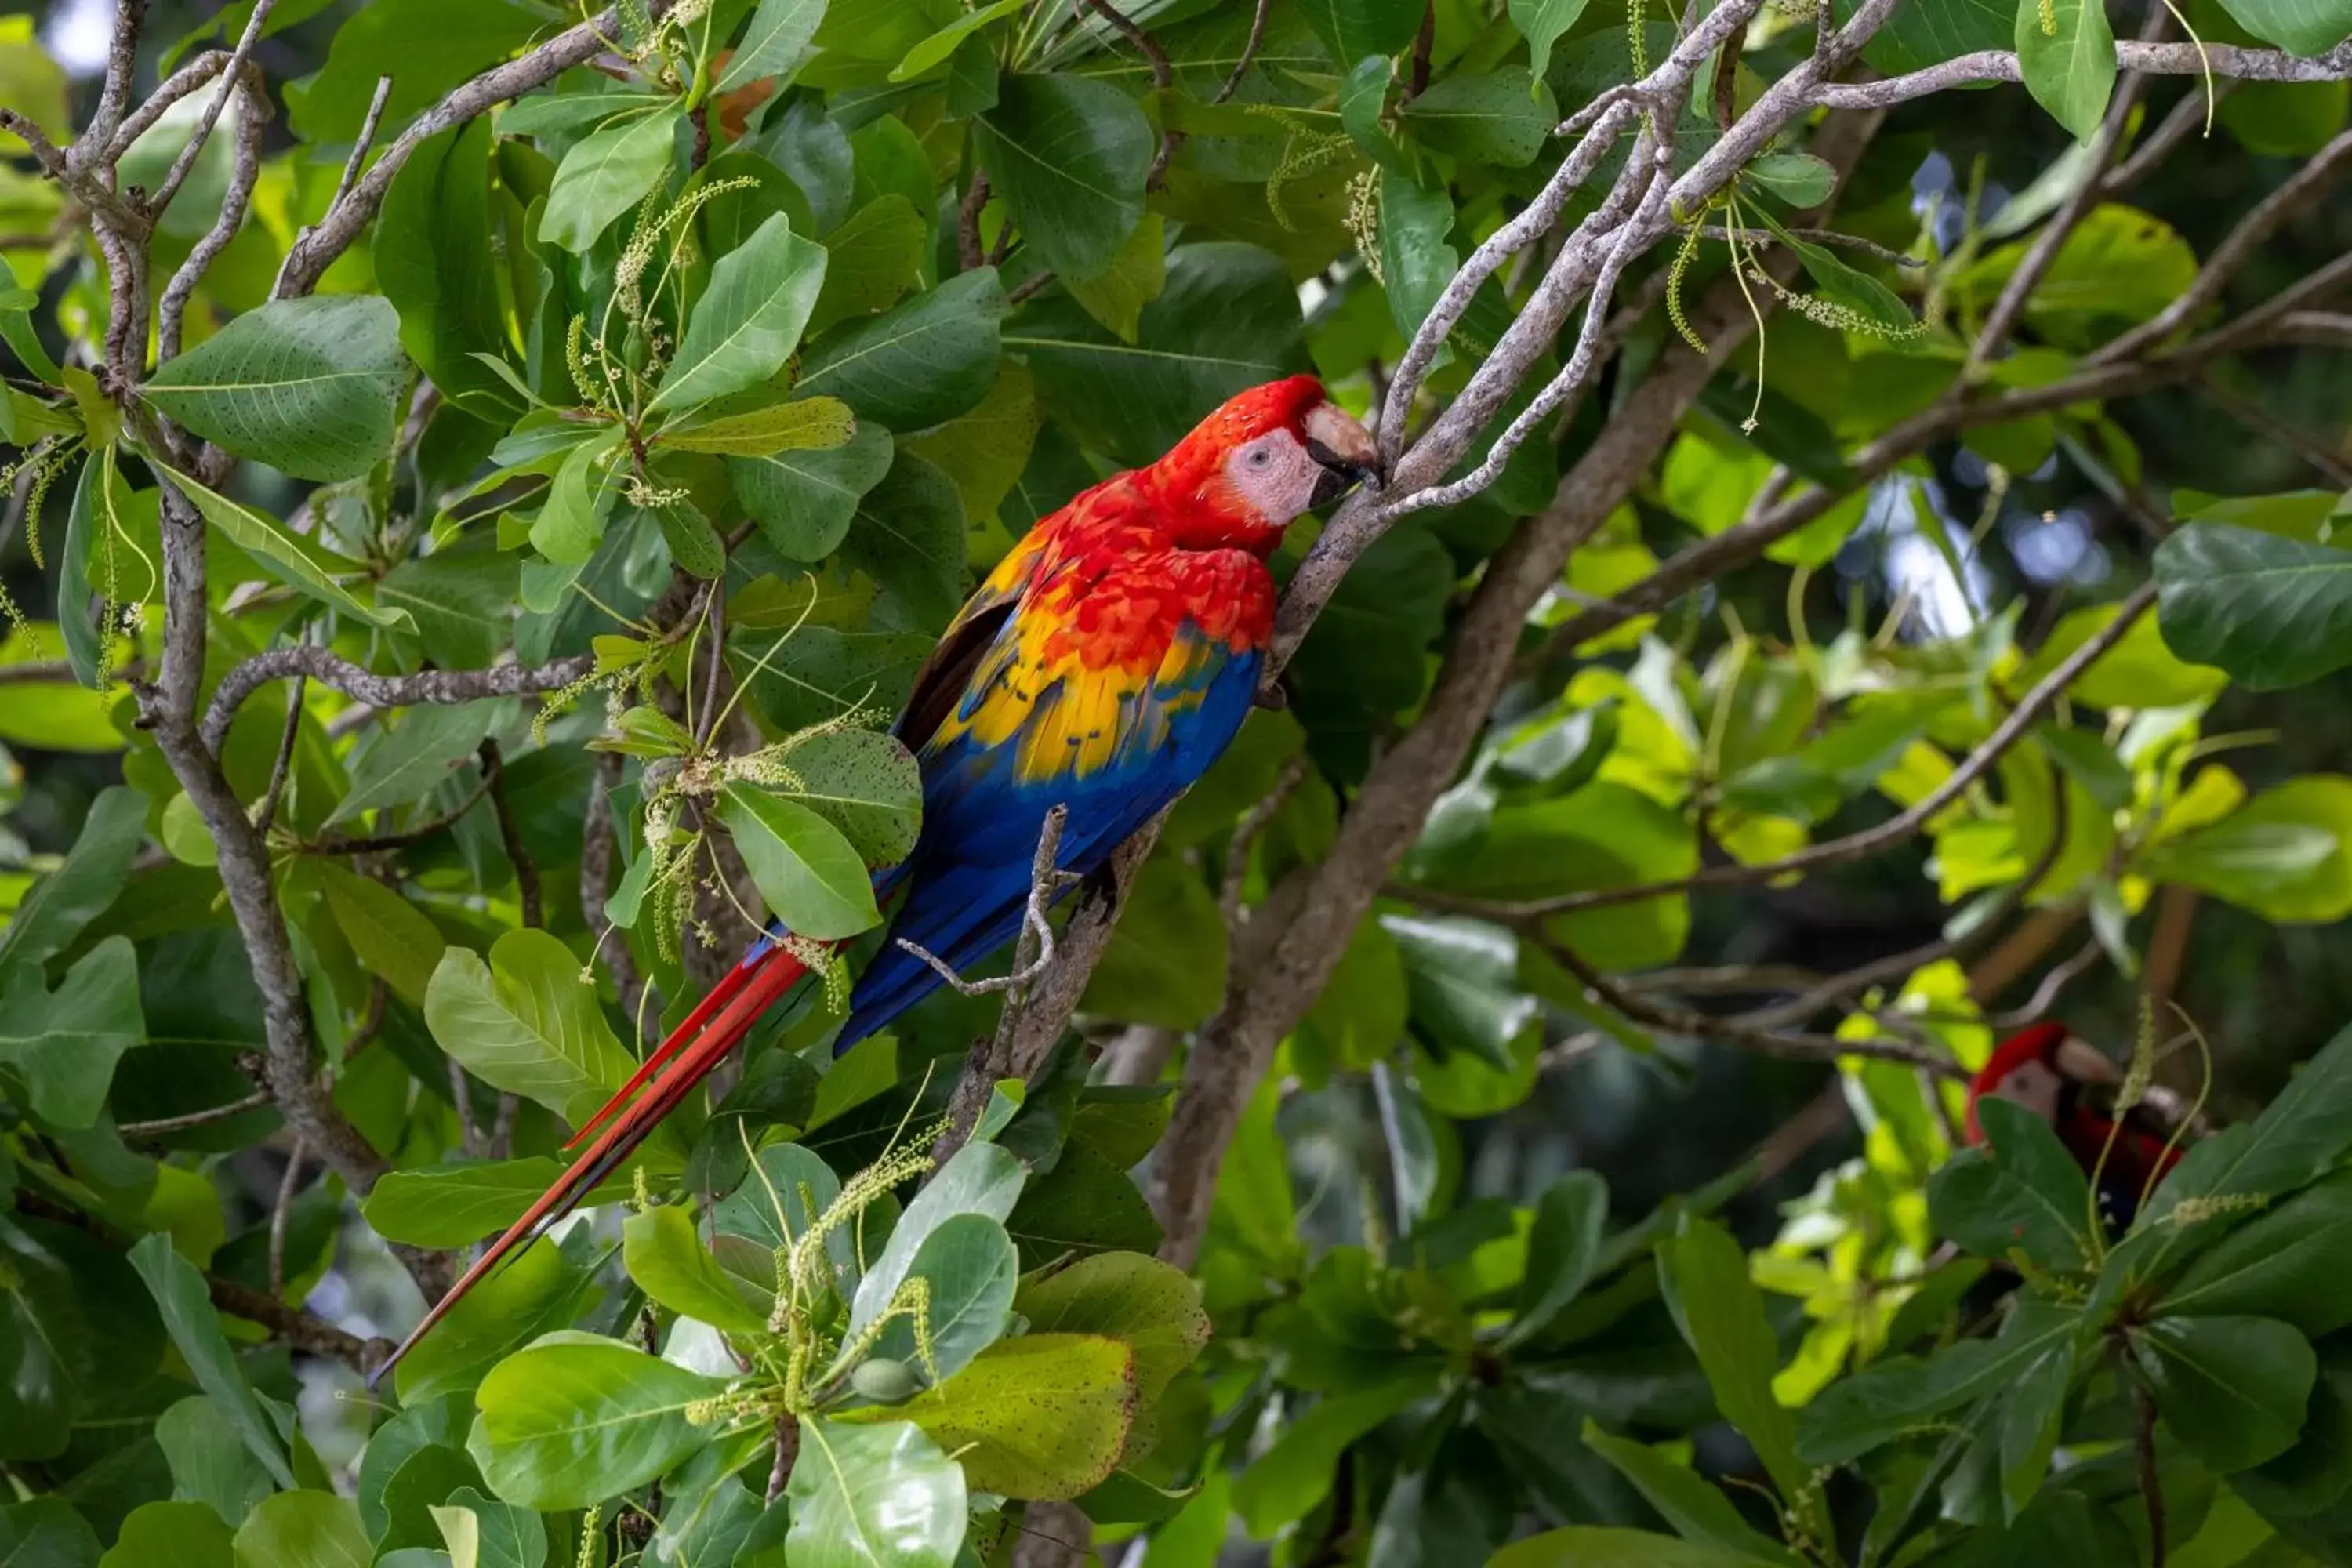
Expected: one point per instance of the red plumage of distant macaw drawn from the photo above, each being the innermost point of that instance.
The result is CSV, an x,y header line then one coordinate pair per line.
x,y
2052,1074
1102,667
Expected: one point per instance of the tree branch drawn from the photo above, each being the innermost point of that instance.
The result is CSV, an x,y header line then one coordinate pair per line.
x,y
1895,829
316,250
437,686
2150,59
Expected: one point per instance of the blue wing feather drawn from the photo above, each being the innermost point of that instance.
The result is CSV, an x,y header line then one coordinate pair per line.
x,y
967,879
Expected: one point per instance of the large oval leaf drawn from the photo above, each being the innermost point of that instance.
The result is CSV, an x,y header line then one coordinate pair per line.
x,y
311,387
576,1420
749,321
812,880
873,1497
1070,155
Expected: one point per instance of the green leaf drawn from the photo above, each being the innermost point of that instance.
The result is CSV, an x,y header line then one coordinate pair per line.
x,y
2282,854
210,1464
434,260
2288,1264
672,1267
1416,263
289,559
459,1202
864,782
1116,296
873,1497
310,386
94,526
576,1420
1571,1218
1686,1500
1594,1546
969,1269
58,1049
571,522
2139,671
775,44
2298,27
84,884
431,745
748,322
77,1335
1721,1314
186,1307
1352,29
167,1535
1859,1413
935,49
1543,23
877,255
929,360
1462,977
1068,154
908,536
390,937
2299,1137
1165,963
303,1530
2232,1390
804,500
2070,68
1228,320
1085,1206
426,47
1798,178
2029,1421
604,175
1147,1305
2023,1191
802,425
527,1023
809,875
540,1290
1045,1416
1503,119
1284,1484
2273,612
486,1534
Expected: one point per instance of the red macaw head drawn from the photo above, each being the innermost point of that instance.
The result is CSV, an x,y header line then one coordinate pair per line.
x,y
1265,456
2024,1068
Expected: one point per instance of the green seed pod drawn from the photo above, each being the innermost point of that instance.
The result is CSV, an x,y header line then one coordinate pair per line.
x,y
884,1381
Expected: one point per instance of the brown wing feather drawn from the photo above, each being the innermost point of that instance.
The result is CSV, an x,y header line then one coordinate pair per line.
x,y
940,684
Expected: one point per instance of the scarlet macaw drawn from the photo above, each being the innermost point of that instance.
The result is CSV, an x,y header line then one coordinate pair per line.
x,y
2051,1074
1102,667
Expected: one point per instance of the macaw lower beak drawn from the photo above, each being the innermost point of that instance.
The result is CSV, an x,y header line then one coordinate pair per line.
x,y
1344,449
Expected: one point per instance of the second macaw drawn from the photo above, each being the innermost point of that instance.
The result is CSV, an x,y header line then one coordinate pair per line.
x,y
2052,1074
1102,667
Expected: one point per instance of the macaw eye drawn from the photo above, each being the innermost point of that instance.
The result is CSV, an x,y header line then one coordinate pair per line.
x,y
1260,459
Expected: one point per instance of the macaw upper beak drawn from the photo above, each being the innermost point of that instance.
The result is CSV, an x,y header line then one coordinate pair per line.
x,y
1346,450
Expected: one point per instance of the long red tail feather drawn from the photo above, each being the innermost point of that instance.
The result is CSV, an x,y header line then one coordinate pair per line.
x,y
751,990
721,995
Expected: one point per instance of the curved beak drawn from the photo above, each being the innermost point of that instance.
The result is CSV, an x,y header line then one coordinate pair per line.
x,y
1344,449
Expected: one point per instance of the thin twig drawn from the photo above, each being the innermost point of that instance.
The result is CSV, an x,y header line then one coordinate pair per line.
x,y
1245,835
1701,1026
166,1124
2189,113
287,1186
1163,77
461,1096
2254,417
2045,994
2009,307
283,766
2151,1484
1249,53
526,870
1819,237
231,80
975,197
1869,840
